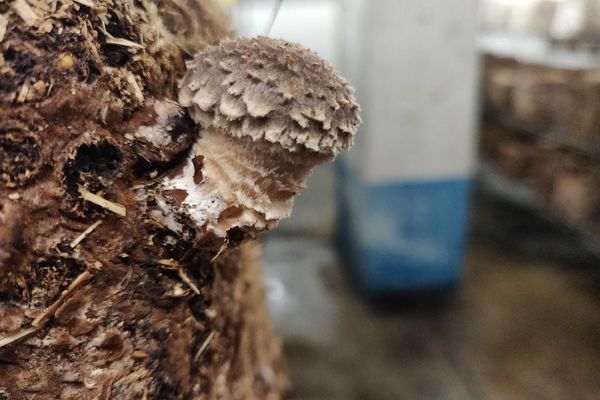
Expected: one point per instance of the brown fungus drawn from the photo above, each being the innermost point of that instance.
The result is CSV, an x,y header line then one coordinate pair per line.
x,y
271,111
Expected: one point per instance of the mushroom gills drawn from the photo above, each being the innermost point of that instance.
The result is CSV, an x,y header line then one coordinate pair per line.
x,y
246,183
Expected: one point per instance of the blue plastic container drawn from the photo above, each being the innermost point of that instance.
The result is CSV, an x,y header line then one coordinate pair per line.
x,y
405,236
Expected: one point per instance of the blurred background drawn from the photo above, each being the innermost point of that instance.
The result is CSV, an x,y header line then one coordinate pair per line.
x,y
453,254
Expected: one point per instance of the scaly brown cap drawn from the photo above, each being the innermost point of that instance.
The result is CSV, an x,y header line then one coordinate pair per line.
x,y
273,90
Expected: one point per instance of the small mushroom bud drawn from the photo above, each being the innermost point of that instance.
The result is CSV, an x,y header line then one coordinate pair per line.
x,y
271,111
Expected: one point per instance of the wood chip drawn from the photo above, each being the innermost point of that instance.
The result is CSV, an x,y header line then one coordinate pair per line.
x,y
123,42
113,40
24,10
87,3
177,293
14,196
3,26
204,346
173,264
102,202
135,376
84,234
22,97
188,281
137,92
138,354
222,250
13,337
169,262
81,280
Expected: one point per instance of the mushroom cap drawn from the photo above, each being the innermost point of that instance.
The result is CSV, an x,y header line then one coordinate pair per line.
x,y
273,90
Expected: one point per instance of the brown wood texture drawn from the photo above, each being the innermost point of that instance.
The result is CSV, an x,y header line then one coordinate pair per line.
x,y
98,299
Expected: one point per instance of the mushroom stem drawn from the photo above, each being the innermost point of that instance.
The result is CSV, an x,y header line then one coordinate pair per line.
x,y
246,183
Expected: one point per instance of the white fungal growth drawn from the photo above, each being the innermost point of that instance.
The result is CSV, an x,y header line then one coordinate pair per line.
x,y
160,132
202,202
167,216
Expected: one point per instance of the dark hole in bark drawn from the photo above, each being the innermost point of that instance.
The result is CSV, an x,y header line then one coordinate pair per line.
x,y
203,275
102,159
167,390
22,63
170,245
50,276
142,168
65,246
10,55
19,158
181,127
93,73
235,236
116,56
95,167
113,342
118,28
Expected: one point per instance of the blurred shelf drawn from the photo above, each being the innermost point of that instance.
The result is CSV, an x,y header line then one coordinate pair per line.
x,y
495,183
549,134
520,193
538,51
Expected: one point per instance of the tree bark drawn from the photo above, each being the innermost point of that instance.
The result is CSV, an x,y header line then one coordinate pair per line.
x,y
98,298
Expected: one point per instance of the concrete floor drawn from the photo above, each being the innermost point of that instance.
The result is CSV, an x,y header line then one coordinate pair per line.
x,y
519,327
